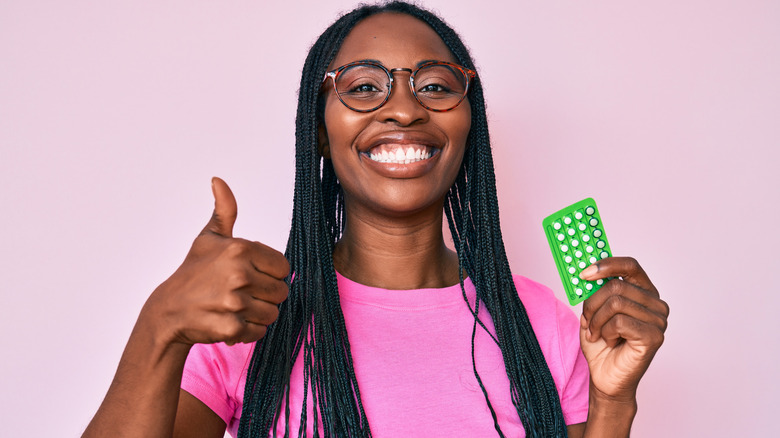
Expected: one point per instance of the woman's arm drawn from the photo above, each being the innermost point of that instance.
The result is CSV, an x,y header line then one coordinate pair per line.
x,y
226,290
621,328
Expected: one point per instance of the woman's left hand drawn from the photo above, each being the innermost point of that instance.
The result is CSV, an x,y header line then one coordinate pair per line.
x,y
622,327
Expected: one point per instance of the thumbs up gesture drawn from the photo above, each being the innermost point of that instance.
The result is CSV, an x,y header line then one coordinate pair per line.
x,y
227,289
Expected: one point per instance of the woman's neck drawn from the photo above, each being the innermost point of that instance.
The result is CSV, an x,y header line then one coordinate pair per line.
x,y
401,254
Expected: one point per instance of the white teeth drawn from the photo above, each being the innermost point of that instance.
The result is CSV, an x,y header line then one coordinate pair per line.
x,y
400,156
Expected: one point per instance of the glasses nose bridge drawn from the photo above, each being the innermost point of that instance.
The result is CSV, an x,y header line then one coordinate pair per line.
x,y
392,72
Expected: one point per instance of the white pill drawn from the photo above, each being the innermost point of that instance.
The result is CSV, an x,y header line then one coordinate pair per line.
x,y
582,265
585,238
578,254
567,220
578,291
571,231
596,233
589,248
564,248
567,259
561,237
604,254
601,244
572,270
593,222
575,242
575,280
589,210
581,226
578,215
599,282
589,286
557,225
592,260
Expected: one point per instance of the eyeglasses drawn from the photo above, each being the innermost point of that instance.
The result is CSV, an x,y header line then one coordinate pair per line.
x,y
365,86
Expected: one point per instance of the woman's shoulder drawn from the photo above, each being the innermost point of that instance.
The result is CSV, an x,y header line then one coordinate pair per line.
x,y
536,295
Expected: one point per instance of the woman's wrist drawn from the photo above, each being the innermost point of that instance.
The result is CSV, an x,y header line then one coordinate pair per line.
x,y
610,416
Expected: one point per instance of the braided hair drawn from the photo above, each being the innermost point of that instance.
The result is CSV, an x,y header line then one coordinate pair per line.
x,y
311,322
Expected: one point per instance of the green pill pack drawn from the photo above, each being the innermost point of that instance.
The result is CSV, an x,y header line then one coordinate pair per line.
x,y
577,240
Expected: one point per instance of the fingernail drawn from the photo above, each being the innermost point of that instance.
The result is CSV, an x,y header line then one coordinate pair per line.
x,y
589,271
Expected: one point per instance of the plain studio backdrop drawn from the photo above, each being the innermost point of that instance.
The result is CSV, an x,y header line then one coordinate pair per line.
x,y
115,115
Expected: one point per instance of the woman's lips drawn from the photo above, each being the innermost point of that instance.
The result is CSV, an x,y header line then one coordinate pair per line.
x,y
390,160
400,153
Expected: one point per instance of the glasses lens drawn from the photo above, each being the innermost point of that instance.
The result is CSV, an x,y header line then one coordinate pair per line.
x,y
363,86
440,87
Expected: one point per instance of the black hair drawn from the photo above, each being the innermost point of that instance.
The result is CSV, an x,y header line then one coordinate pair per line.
x,y
312,313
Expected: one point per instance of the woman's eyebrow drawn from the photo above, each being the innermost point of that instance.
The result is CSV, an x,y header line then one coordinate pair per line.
x,y
425,61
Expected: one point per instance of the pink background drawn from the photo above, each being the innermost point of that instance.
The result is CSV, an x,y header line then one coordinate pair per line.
x,y
114,116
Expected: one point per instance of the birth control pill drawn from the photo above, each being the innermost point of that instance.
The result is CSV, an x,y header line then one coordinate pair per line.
x,y
567,220
557,225
589,210
578,215
597,233
593,222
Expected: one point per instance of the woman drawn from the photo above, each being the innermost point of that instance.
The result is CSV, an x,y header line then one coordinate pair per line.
x,y
382,319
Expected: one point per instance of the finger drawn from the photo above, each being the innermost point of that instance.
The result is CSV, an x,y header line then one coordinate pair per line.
x,y
626,268
637,333
270,261
620,305
225,210
258,257
260,312
269,289
250,332
631,292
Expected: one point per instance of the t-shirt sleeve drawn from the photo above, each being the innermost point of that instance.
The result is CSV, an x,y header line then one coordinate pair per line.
x,y
557,330
213,374
574,396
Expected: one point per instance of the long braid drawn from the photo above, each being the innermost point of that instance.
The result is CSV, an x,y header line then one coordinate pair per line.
x,y
312,316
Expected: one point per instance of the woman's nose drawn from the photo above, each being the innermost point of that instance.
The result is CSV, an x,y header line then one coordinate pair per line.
x,y
402,106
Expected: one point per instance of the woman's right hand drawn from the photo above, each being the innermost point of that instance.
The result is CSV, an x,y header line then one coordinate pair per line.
x,y
226,290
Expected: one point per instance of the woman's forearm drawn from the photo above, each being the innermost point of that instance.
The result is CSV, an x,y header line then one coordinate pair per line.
x,y
143,396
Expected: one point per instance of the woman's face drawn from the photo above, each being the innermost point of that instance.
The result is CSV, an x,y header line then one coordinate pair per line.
x,y
350,138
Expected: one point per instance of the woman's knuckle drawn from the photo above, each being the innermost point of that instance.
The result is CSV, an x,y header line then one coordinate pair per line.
x,y
232,302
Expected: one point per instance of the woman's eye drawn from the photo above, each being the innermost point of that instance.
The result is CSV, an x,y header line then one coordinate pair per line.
x,y
433,88
363,88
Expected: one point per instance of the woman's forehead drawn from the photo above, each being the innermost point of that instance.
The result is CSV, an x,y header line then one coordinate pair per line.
x,y
396,40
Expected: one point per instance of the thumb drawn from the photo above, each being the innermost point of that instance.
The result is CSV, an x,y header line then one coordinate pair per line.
x,y
225,210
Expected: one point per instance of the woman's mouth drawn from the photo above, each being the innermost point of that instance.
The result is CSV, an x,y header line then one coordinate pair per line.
x,y
400,153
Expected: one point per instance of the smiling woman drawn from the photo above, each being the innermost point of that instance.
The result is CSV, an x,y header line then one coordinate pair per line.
x,y
386,331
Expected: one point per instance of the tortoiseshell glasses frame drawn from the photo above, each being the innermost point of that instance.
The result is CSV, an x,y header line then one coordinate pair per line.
x,y
374,99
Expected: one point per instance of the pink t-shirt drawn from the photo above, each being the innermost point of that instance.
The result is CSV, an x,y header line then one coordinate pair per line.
x,y
412,356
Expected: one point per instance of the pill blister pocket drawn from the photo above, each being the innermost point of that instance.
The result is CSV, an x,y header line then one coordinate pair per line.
x,y
577,240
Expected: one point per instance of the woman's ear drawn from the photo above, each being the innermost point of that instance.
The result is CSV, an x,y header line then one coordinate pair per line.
x,y
322,138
